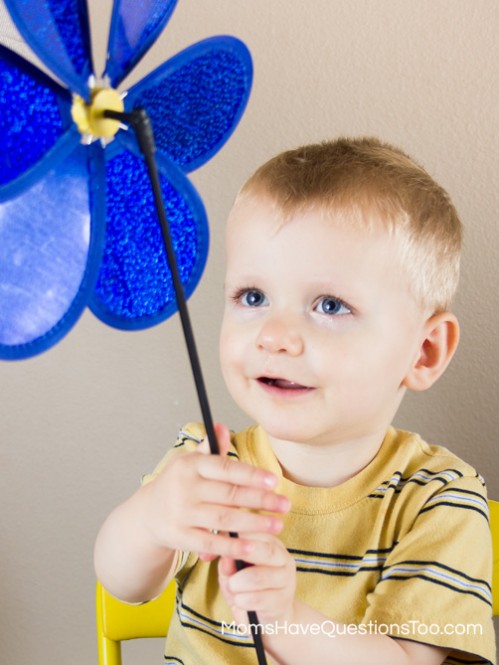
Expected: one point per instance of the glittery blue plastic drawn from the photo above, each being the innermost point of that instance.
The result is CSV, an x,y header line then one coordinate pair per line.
x,y
30,115
196,99
134,288
134,28
58,32
48,259
52,190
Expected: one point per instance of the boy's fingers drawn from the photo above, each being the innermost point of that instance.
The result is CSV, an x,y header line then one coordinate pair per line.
x,y
237,483
267,550
226,566
225,494
215,467
258,549
213,545
221,467
223,438
223,441
226,519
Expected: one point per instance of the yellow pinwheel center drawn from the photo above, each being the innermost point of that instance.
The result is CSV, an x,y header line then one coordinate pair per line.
x,y
89,117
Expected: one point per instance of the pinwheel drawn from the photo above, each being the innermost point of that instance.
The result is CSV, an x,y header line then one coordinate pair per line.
x,y
89,215
78,226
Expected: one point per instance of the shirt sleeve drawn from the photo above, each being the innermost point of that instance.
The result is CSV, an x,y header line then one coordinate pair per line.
x,y
435,586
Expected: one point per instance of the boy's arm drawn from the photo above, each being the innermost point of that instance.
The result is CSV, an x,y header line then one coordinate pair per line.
x,y
195,495
128,562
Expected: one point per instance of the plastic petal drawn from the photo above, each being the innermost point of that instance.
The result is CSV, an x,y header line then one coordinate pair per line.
x,y
135,26
134,289
58,32
34,113
50,243
196,99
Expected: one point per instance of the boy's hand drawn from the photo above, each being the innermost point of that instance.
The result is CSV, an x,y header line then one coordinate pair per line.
x,y
197,499
268,586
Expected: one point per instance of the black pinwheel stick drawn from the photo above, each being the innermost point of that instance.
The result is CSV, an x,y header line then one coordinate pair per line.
x,y
140,122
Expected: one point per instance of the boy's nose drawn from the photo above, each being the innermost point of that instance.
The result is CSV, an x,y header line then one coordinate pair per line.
x,y
277,336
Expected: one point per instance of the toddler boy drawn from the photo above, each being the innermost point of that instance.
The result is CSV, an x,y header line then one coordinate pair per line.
x,y
368,545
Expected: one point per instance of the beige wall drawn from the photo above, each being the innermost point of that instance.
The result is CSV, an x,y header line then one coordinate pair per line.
x,y
80,424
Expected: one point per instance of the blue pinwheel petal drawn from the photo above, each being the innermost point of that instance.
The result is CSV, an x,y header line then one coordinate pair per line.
x,y
196,99
135,27
134,289
50,246
34,114
58,32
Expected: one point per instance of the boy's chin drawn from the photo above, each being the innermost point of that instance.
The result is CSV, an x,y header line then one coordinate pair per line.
x,y
293,432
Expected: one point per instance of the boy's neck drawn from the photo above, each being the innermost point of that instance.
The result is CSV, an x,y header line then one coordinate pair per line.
x,y
327,465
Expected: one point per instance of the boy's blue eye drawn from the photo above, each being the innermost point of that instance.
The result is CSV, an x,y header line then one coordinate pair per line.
x,y
332,306
253,298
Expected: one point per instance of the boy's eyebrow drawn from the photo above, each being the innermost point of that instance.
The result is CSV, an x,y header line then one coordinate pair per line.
x,y
243,279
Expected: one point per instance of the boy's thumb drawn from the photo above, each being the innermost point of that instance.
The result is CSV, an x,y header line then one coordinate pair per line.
x,y
222,434
223,437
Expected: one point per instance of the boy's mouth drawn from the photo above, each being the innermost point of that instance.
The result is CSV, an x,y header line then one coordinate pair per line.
x,y
282,384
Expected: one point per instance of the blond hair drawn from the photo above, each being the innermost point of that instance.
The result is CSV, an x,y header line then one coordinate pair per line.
x,y
373,179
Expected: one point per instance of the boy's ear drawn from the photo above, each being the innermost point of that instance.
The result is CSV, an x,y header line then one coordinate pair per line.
x,y
439,341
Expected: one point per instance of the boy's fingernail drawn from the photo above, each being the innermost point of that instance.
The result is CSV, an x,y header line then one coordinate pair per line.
x,y
248,547
284,503
270,480
275,525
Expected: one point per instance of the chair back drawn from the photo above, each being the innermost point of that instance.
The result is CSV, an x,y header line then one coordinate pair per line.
x,y
494,527
117,621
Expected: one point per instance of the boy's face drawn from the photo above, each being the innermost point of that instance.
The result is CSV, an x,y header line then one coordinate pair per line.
x,y
320,329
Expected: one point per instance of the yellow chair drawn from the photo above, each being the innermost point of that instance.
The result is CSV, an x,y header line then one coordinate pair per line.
x,y
117,621
494,527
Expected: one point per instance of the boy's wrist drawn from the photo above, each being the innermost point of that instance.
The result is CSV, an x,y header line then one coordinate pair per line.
x,y
148,530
